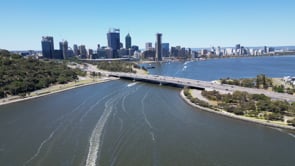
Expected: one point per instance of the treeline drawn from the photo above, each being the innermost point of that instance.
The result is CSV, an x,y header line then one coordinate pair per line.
x,y
19,76
260,82
117,66
197,101
251,105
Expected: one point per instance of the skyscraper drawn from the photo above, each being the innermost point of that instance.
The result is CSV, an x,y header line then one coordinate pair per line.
x,y
114,41
238,46
128,41
90,53
148,46
159,47
83,51
47,47
165,49
76,50
238,49
63,46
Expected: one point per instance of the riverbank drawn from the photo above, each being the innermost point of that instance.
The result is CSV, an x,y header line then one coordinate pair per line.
x,y
85,81
231,115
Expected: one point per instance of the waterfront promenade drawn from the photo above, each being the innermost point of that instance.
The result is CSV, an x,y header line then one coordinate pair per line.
x,y
198,84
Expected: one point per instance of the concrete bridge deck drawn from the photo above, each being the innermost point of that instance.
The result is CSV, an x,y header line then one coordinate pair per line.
x,y
198,84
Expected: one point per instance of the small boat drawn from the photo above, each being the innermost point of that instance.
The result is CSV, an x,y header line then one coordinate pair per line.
x,y
150,67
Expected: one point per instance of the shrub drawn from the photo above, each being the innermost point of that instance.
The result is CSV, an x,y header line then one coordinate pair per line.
x,y
291,122
238,111
274,116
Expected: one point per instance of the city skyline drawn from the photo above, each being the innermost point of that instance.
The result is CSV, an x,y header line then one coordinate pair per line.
x,y
187,23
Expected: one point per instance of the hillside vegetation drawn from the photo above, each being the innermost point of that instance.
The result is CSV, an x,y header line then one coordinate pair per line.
x,y
19,76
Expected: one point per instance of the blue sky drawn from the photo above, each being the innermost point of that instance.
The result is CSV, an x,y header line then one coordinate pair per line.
x,y
189,23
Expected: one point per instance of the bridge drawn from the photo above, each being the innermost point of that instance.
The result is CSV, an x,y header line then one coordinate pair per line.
x,y
198,84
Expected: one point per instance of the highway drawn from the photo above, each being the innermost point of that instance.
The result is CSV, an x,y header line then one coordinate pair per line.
x,y
198,84
182,82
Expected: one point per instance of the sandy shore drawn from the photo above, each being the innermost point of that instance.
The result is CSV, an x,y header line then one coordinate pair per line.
x,y
248,119
54,89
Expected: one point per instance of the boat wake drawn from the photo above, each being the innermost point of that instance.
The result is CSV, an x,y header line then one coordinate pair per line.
x,y
95,105
40,147
95,138
131,84
143,112
153,135
146,119
184,68
292,135
187,62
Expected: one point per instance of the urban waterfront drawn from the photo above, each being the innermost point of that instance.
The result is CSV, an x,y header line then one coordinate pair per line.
x,y
239,67
128,123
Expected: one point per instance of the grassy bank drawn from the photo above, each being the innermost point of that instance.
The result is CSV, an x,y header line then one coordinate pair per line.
x,y
215,108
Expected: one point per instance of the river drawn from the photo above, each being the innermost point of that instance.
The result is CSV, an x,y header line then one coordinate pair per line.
x,y
129,123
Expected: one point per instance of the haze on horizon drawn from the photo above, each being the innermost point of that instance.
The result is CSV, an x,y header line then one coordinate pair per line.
x,y
188,23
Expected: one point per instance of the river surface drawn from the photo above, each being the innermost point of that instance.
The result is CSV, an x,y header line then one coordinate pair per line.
x,y
128,123
248,67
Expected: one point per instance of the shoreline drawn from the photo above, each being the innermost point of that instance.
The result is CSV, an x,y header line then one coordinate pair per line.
x,y
47,91
243,118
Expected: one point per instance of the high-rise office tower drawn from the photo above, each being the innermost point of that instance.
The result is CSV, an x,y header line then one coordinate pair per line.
x,y
47,47
159,47
148,46
76,50
265,50
90,53
63,46
114,41
165,49
238,46
128,41
238,49
83,51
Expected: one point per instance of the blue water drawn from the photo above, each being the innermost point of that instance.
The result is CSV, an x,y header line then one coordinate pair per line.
x,y
213,69
127,123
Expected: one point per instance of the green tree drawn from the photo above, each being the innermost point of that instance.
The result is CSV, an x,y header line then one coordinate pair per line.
x,y
21,76
279,89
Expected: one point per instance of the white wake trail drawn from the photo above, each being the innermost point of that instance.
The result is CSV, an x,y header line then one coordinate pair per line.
x,y
131,84
93,106
40,147
292,135
143,112
95,139
146,119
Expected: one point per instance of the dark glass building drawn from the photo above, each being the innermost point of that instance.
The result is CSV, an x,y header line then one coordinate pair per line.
x,y
128,41
114,41
57,54
76,50
165,49
47,47
159,47
63,46
83,52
